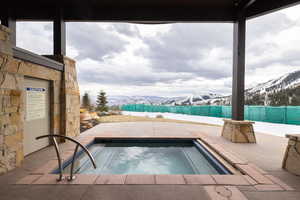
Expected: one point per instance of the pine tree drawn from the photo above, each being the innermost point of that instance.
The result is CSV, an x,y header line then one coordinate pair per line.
x,y
101,102
86,103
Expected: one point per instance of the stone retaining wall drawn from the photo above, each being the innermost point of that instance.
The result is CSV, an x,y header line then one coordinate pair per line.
x,y
64,101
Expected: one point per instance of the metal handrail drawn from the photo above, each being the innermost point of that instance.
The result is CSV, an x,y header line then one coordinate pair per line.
x,y
78,144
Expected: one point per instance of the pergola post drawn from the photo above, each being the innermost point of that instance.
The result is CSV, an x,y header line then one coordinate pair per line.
x,y
238,75
10,23
59,35
237,130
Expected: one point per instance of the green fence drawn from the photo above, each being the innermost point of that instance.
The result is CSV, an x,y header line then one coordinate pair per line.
x,y
281,114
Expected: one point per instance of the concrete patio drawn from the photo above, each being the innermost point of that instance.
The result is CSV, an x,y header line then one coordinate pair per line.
x,y
266,154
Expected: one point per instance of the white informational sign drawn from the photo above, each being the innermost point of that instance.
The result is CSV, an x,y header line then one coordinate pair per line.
x,y
35,103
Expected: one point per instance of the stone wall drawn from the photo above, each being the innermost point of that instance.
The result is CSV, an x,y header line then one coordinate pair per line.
x,y
64,100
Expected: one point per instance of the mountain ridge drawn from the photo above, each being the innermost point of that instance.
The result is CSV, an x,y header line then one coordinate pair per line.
x,y
271,92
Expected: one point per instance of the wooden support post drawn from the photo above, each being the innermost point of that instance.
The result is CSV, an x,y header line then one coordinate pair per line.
x,y
59,35
238,78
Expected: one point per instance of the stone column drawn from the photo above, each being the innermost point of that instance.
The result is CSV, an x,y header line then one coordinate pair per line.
x,y
238,131
11,107
70,99
291,160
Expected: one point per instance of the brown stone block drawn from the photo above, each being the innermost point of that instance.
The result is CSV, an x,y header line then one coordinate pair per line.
x,y
24,68
9,129
13,141
6,46
14,118
15,101
4,62
238,131
4,120
12,65
291,160
16,93
3,36
56,122
11,109
7,80
19,157
4,28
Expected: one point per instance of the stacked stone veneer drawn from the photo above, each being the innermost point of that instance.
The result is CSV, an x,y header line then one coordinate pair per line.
x,y
64,100
71,99
291,160
238,131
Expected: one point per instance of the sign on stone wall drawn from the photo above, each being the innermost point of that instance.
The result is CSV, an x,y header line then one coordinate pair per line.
x,y
35,103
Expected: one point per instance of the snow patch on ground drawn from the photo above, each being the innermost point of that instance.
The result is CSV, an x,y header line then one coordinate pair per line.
x,y
259,127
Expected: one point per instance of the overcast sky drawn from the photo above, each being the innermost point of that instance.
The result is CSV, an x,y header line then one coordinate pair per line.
x,y
173,59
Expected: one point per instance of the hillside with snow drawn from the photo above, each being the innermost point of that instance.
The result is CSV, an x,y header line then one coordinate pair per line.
x,y
286,81
284,90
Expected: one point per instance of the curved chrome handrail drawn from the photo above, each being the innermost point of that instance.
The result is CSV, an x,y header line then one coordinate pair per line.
x,y
78,144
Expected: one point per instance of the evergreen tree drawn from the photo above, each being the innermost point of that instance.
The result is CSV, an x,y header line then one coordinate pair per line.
x,y
86,103
101,102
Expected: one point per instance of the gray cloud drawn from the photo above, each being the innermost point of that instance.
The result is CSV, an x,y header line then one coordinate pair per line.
x,y
130,78
186,46
129,30
93,41
269,24
260,32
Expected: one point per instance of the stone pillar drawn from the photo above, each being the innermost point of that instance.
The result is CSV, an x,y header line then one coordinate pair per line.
x,y
11,106
238,131
71,99
291,160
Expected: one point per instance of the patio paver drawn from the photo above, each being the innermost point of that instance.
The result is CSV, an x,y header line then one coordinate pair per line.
x,y
266,156
140,179
199,179
230,180
111,179
169,179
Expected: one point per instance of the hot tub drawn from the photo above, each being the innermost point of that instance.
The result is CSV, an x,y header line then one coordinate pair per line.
x,y
147,156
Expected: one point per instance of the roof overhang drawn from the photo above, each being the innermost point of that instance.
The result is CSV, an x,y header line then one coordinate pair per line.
x,y
144,11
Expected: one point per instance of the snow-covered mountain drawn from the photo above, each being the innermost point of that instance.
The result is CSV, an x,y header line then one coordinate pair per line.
x,y
191,100
262,94
286,81
157,100
122,100
275,92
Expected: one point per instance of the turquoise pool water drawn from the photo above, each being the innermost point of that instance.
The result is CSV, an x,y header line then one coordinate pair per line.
x,y
144,158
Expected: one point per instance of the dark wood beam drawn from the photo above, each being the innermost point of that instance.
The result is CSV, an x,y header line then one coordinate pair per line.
x,y
59,35
262,7
238,77
243,4
85,13
249,3
11,24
